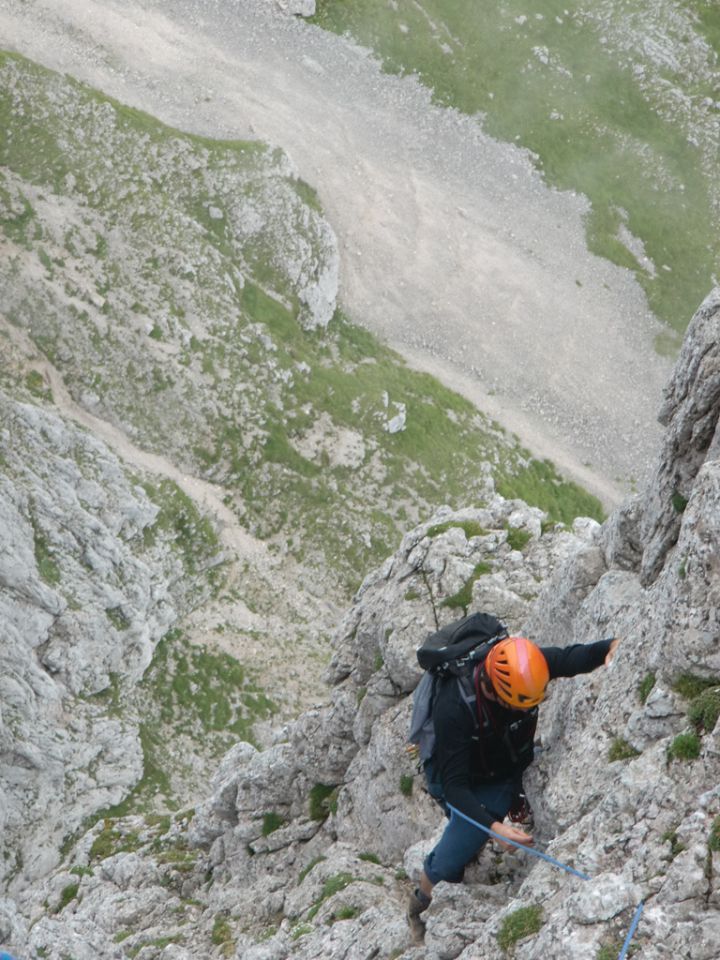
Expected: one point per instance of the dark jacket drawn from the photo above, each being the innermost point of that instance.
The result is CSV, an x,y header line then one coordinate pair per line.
x,y
468,755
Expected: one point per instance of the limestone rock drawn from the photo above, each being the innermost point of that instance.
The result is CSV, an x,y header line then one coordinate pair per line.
x,y
82,602
297,8
690,414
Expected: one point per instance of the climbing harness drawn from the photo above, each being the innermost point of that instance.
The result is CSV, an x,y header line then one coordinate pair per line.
x,y
563,866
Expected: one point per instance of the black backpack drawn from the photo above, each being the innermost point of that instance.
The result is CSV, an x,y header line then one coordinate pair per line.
x,y
454,650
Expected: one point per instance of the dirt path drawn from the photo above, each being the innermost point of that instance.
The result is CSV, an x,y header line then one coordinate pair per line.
x,y
452,249
208,496
296,619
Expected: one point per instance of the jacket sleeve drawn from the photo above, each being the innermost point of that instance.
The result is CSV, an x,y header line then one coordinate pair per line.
x,y
453,734
575,659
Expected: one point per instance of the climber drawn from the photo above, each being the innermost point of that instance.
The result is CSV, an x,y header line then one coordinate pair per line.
x,y
478,760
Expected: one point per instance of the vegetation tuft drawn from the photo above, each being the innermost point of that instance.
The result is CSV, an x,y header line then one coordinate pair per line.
x,y
332,885
645,686
462,599
369,857
518,539
221,931
714,838
309,868
671,837
323,801
686,746
690,686
271,822
621,750
406,785
471,528
181,523
67,895
704,710
522,923
44,558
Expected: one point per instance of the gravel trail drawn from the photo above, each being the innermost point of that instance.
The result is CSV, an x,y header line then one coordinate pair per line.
x,y
452,248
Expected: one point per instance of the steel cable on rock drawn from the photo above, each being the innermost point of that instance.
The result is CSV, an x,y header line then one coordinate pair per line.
x,y
556,863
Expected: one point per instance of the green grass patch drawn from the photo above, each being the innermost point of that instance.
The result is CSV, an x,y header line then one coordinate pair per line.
x,y
519,924
35,382
645,686
679,502
671,837
461,600
557,81
213,687
714,838
309,868
180,522
406,784
369,857
190,691
686,746
518,539
67,895
159,943
323,801
621,750
610,951
690,686
704,710
343,913
45,559
469,527
112,839
271,822
221,930
332,885
117,618
539,484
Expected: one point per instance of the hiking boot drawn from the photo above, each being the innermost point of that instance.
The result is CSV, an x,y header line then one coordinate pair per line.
x,y
418,902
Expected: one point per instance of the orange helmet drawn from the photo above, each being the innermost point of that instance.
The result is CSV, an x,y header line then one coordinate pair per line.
x,y
518,672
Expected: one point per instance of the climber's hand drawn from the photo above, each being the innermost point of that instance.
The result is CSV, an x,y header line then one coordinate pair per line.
x,y
511,833
611,651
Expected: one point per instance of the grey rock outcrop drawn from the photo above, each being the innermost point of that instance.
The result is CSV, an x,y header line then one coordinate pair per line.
x,y
297,8
83,602
690,414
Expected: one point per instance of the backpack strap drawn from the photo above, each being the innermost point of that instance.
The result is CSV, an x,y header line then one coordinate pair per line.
x,y
467,694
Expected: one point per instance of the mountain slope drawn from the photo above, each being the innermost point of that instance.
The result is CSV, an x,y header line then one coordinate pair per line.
x,y
303,849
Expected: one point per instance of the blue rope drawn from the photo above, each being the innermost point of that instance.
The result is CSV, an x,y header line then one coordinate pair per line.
x,y
557,863
520,846
631,931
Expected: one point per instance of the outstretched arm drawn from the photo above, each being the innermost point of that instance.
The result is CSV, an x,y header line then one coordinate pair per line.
x,y
579,657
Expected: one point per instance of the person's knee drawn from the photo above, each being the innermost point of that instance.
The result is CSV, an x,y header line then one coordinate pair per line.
x,y
436,870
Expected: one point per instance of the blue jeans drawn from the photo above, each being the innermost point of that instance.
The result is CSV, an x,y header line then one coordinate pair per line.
x,y
461,840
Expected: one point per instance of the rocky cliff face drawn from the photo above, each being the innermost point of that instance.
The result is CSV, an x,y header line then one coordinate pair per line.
x,y
304,849
89,583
